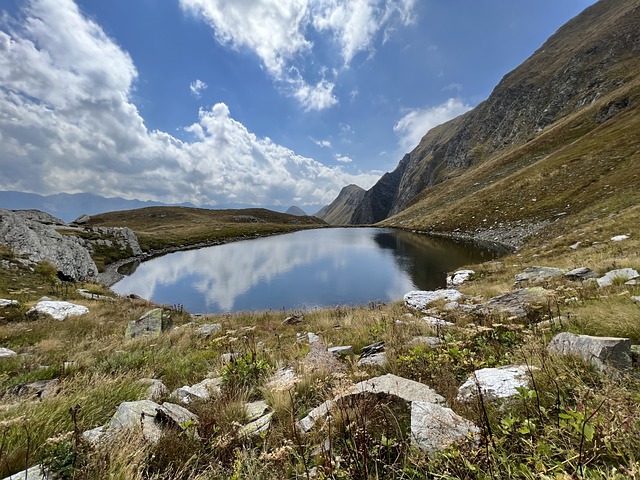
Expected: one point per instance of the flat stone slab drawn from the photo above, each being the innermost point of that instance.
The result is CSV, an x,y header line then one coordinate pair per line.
x,y
7,353
434,427
33,473
459,277
621,274
255,409
374,360
437,322
176,415
420,299
59,310
619,238
581,273
599,351
256,427
495,383
516,303
403,388
150,324
282,379
539,274
341,351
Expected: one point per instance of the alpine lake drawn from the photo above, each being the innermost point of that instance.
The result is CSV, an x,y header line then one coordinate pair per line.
x,y
301,270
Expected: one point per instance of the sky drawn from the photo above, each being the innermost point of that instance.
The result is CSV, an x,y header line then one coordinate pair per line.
x,y
253,102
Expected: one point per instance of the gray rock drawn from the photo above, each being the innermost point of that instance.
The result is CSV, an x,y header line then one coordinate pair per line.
x,y
57,309
372,349
39,389
582,273
599,351
636,299
538,274
155,388
172,415
33,234
256,427
94,436
622,274
138,414
255,410
459,277
82,219
94,296
151,324
517,303
420,299
375,360
437,322
495,383
293,320
282,379
322,411
7,353
7,303
341,351
200,391
319,359
226,358
34,473
428,342
208,329
434,428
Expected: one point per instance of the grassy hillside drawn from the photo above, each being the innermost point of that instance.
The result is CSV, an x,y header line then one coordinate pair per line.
x,y
162,227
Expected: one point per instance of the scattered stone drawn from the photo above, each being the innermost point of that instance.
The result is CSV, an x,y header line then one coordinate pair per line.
x,y
256,427
582,273
151,324
57,309
375,360
94,296
293,320
7,353
40,389
319,358
256,409
495,383
459,277
34,473
155,388
7,303
553,323
622,274
575,245
633,299
282,379
619,238
130,415
177,416
341,351
538,274
434,428
518,302
419,299
321,411
437,322
208,329
93,436
199,391
428,342
372,349
599,351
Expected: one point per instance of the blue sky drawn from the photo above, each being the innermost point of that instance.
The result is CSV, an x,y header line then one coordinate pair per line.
x,y
259,102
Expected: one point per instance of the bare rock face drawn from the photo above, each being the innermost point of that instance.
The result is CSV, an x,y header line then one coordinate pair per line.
x,y
32,233
599,351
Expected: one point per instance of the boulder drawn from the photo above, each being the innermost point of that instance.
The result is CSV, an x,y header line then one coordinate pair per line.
x,y
517,303
155,388
427,342
459,277
93,436
7,303
635,299
419,299
130,415
39,389
539,274
34,473
151,324
375,360
581,273
495,383
175,416
208,329
256,427
599,351
7,353
200,391
57,309
621,274
434,427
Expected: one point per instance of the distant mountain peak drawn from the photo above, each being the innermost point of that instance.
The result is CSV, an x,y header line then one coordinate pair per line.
x,y
297,211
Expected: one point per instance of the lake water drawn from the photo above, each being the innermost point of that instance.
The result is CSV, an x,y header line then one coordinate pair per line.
x,y
301,270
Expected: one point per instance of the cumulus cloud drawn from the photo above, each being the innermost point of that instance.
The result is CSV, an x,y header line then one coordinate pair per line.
x,y
416,123
322,143
343,158
197,87
67,124
276,32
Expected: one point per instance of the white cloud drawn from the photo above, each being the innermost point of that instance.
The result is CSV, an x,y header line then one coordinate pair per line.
x,y
415,124
322,143
343,158
197,87
68,125
276,32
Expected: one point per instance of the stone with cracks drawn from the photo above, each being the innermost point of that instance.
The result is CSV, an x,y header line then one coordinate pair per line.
x,y
57,309
434,428
176,416
495,383
621,274
375,360
599,351
256,427
539,274
459,277
420,299
581,273
517,303
131,415
255,410
200,391
150,324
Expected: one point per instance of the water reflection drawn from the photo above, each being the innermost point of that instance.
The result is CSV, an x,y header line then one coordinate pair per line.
x,y
300,270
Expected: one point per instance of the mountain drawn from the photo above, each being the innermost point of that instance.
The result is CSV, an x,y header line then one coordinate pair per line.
x,y
551,135
297,211
341,210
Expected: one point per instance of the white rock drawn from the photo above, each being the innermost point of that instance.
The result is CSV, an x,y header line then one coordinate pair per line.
x,y
437,322
7,303
93,436
59,309
341,351
495,383
7,353
622,274
400,387
419,299
434,428
459,277
619,238
256,427
33,473
202,390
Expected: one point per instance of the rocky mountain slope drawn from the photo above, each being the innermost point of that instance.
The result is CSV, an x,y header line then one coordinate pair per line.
x,y
576,94
340,211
